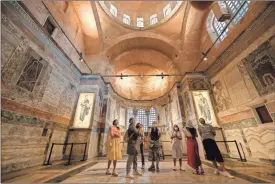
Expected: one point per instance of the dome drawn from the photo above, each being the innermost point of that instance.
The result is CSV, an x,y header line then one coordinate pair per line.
x,y
140,15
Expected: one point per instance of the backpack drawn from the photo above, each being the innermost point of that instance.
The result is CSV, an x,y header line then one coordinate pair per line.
x,y
126,138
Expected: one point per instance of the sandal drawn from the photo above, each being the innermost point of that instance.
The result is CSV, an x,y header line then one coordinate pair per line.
x,y
197,172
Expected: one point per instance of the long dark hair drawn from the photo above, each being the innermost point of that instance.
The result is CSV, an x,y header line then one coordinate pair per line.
x,y
193,132
175,125
114,121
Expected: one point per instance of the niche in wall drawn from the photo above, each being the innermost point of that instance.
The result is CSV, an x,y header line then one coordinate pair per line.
x,y
263,114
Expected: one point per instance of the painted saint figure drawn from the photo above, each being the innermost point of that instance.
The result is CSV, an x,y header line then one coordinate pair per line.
x,y
85,107
204,108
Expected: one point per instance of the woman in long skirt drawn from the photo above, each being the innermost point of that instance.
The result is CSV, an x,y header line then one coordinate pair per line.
x,y
193,157
113,147
177,147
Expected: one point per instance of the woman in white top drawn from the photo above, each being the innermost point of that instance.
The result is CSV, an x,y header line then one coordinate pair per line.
x,y
177,146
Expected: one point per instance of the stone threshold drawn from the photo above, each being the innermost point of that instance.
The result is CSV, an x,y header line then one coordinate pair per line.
x,y
238,174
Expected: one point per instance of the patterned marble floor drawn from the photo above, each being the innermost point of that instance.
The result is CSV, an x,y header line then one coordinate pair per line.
x,y
96,174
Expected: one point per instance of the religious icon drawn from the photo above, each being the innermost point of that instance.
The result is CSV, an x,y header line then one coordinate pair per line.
x,y
84,110
204,107
85,107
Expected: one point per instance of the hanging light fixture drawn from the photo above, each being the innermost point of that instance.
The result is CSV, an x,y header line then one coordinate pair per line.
x,y
81,57
162,75
121,76
204,56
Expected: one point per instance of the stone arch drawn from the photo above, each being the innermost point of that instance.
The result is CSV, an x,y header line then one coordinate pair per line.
x,y
142,40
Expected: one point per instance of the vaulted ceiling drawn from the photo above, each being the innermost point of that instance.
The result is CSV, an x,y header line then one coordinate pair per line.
x,y
171,46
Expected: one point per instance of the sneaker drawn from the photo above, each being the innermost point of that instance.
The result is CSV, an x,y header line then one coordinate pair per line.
x,y
108,172
138,173
175,168
142,167
129,176
115,173
152,168
227,174
182,169
216,172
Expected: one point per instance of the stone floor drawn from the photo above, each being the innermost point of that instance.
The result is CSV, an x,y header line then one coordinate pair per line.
x,y
93,171
96,174
264,172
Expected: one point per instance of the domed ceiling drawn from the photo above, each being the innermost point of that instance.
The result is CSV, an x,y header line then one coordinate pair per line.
x,y
143,62
150,13
169,45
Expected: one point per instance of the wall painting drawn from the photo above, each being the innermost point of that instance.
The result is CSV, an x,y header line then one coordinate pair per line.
x,y
84,110
204,107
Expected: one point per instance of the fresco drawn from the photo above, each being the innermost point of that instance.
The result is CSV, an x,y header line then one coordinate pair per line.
x,y
84,110
204,107
261,67
221,96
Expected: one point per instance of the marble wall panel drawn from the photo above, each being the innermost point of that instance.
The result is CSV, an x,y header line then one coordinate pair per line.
x,y
23,144
58,136
54,89
261,140
236,87
77,136
93,150
232,135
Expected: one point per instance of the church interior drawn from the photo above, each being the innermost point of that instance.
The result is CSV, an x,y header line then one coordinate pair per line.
x,y
70,68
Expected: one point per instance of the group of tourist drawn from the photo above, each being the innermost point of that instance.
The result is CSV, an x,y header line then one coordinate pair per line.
x,y
134,137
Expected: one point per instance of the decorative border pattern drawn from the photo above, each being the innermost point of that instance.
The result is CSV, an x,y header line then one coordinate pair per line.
x,y
15,118
245,123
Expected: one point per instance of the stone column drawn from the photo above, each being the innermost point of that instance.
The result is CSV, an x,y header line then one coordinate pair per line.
x,y
147,112
135,111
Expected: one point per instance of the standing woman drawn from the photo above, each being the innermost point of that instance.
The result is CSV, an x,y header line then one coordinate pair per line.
x,y
139,127
155,145
193,157
113,147
177,147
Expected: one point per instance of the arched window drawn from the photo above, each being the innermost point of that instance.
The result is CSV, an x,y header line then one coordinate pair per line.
x,y
130,114
167,9
219,27
140,22
126,19
153,19
142,118
152,116
215,27
113,10
233,6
